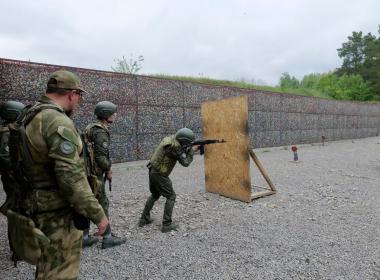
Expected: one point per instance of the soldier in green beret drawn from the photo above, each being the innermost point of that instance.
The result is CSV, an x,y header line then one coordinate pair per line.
x,y
97,142
46,152
9,111
171,149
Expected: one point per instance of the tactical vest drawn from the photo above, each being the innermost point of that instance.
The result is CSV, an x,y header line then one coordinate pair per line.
x,y
34,199
162,161
88,139
93,171
5,162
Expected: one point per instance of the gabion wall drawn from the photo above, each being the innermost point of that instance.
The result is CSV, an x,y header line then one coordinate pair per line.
x,y
151,108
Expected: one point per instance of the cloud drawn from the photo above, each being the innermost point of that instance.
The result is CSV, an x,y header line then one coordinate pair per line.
x,y
218,39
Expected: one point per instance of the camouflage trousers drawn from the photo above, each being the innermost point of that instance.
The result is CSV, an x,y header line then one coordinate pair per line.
x,y
160,185
101,196
61,258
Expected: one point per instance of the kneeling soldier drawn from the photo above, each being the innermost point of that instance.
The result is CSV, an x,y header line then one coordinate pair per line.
x,y
171,149
97,139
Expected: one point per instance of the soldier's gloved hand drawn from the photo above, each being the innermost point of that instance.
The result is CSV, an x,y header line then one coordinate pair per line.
x,y
109,175
102,226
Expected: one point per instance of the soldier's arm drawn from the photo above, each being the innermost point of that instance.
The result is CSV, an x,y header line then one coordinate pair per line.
x,y
64,149
184,157
101,149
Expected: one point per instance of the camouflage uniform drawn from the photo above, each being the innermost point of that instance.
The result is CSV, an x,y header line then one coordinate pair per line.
x,y
6,179
58,189
9,111
97,146
98,134
161,164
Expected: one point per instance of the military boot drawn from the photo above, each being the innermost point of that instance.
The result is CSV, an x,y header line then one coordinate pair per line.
x,y
89,241
112,241
145,221
167,228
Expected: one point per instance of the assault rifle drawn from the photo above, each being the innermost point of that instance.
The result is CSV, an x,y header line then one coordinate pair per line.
x,y
203,142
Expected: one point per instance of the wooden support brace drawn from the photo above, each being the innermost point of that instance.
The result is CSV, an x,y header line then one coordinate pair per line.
x,y
266,177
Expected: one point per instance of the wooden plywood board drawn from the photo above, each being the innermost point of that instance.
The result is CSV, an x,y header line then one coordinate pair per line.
x,y
227,165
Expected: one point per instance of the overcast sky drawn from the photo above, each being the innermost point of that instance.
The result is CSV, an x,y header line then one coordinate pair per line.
x,y
223,39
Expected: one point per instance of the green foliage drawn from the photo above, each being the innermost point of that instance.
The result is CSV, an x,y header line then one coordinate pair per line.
x,y
347,87
354,52
131,66
286,81
242,84
357,79
361,56
205,80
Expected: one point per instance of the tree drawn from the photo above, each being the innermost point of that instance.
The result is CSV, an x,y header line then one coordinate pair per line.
x,y
131,66
361,56
286,81
354,52
310,81
344,87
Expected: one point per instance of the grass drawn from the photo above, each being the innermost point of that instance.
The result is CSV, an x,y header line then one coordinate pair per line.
x,y
210,81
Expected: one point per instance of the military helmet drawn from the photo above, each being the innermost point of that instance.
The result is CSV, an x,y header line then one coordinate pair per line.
x,y
10,110
105,109
185,136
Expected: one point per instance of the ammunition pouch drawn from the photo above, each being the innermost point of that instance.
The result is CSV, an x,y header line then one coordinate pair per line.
x,y
27,240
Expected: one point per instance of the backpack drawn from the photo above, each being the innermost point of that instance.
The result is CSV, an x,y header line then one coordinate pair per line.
x,y
92,170
27,240
20,157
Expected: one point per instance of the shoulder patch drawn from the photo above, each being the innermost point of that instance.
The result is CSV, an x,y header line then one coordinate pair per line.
x,y
68,134
105,145
67,147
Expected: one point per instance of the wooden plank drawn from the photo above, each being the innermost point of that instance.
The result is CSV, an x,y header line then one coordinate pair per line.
x,y
261,194
227,165
262,170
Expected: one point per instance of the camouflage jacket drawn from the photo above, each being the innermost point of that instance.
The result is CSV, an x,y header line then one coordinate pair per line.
x,y
58,166
99,137
168,152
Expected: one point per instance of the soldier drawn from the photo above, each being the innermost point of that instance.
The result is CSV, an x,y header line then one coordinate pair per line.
x,y
97,140
171,149
46,152
9,112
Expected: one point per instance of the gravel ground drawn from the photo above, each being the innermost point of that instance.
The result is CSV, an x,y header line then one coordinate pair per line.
x,y
324,222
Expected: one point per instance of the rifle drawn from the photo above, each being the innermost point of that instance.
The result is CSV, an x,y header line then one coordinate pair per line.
x,y
203,142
